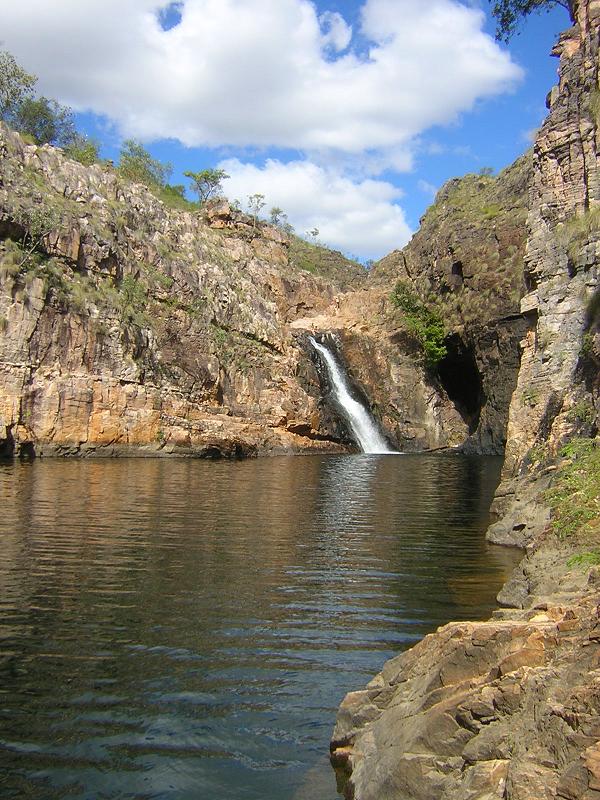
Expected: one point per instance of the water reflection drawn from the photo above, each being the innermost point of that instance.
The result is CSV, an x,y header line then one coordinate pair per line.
x,y
182,629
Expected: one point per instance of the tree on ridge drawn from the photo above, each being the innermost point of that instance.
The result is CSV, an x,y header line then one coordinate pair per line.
x,y
207,183
15,85
509,12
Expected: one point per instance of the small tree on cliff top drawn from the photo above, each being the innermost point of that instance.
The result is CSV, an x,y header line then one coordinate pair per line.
x,y
46,121
136,164
207,183
15,84
508,13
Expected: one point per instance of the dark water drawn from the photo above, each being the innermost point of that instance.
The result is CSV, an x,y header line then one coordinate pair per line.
x,y
183,629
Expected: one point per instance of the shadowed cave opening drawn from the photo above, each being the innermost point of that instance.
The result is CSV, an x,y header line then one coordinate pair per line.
x,y
459,375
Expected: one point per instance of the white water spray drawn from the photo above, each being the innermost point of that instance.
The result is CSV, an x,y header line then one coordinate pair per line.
x,y
362,425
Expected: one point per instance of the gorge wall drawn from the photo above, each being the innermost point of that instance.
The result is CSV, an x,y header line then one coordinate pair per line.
x,y
556,397
508,708
127,327
130,328
466,261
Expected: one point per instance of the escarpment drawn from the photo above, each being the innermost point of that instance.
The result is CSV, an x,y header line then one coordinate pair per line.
x,y
466,262
128,327
556,397
561,258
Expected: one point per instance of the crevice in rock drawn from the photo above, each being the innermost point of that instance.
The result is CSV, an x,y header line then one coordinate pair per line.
x,y
457,269
27,451
530,281
460,377
11,230
7,445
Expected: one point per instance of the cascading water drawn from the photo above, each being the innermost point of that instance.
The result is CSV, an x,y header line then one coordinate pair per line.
x,y
360,421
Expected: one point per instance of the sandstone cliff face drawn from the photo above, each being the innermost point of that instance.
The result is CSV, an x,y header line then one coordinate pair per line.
x,y
130,328
557,391
412,406
479,710
466,260
126,327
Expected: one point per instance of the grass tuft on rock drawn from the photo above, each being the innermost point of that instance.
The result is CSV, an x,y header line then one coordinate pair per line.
x,y
575,494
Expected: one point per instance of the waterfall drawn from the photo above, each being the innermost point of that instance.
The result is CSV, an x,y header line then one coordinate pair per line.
x,y
360,420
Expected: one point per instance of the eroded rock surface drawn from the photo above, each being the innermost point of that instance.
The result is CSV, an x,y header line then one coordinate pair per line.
x,y
466,260
130,328
507,708
557,391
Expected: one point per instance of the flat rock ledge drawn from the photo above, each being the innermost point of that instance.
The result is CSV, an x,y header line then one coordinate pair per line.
x,y
507,708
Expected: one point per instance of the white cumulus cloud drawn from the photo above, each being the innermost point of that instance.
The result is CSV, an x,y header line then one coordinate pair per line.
x,y
261,72
359,217
256,74
338,34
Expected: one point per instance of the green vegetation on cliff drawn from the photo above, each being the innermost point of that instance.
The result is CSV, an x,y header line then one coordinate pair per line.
x,y
331,264
422,322
508,13
467,256
575,494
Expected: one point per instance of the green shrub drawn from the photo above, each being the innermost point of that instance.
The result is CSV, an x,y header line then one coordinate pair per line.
x,y
594,105
576,231
530,397
220,334
583,412
134,300
45,120
173,196
424,324
587,345
84,150
575,494
492,210
137,165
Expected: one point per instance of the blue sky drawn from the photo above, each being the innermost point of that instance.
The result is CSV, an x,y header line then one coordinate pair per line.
x,y
348,114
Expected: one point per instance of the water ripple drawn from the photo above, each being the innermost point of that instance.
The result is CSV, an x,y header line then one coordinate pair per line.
x,y
187,629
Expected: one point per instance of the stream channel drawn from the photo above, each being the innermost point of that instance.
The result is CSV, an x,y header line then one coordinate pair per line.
x,y
186,629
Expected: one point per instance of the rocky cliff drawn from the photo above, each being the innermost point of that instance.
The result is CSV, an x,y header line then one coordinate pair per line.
x,y
508,708
561,258
466,261
128,327
556,397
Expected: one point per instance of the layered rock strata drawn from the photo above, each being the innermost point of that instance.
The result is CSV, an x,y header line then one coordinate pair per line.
x,y
556,396
466,261
129,328
413,407
507,708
